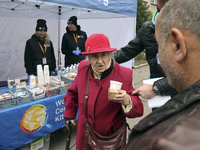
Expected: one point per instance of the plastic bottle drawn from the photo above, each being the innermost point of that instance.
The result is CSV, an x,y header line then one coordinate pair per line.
x,y
67,70
71,69
59,72
63,71
74,68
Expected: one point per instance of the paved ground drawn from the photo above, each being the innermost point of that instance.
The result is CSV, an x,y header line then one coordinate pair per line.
x,y
58,138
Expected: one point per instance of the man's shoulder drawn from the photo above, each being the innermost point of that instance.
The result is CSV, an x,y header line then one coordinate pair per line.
x,y
82,32
147,25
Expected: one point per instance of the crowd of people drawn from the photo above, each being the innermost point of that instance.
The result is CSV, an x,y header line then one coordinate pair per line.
x,y
171,42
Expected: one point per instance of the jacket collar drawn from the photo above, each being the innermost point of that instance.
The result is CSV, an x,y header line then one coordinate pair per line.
x,y
70,32
186,97
108,71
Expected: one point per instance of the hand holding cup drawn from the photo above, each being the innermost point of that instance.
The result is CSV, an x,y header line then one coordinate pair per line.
x,y
115,86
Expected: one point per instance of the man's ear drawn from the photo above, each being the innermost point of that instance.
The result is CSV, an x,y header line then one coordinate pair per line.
x,y
178,44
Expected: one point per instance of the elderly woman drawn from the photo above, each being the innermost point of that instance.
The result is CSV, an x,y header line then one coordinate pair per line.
x,y
105,116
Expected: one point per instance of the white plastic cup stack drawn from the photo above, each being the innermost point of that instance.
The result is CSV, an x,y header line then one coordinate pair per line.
x,y
40,75
46,73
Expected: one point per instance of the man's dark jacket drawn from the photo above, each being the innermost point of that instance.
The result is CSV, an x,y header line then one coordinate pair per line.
x,y
145,40
174,126
69,44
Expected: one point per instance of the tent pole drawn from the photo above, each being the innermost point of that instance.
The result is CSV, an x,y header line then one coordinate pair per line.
x,y
59,18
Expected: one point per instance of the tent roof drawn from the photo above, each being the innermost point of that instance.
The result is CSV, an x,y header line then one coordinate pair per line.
x,y
63,8
125,7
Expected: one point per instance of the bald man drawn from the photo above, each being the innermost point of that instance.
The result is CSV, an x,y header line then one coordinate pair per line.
x,y
175,125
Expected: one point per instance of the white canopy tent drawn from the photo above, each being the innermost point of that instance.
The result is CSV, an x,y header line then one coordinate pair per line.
x,y
116,19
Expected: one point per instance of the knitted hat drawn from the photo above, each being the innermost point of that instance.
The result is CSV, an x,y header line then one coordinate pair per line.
x,y
41,25
97,43
72,20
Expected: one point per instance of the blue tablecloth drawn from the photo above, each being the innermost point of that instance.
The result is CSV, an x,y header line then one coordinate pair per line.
x,y
25,123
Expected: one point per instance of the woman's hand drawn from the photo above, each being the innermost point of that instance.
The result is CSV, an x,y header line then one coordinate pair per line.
x,y
122,98
67,123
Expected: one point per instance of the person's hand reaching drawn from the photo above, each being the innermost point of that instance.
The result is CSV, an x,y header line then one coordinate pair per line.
x,y
146,91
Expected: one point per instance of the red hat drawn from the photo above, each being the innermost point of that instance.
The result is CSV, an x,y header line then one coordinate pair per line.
x,y
97,43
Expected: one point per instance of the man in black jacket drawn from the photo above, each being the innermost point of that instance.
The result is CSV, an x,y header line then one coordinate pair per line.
x,y
145,39
73,42
176,124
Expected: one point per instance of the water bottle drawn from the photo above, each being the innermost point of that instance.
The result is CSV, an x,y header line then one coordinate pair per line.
x,y
74,68
67,70
59,72
63,71
71,69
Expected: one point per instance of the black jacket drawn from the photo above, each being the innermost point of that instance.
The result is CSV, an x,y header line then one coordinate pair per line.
x,y
173,126
145,39
164,87
69,44
33,55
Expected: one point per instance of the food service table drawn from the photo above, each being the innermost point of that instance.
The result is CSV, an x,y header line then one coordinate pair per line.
x,y
44,116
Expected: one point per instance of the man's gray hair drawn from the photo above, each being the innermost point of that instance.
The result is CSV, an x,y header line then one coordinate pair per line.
x,y
180,14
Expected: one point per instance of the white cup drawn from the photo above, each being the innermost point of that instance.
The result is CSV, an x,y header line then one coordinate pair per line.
x,y
46,68
40,78
113,90
46,77
39,68
115,85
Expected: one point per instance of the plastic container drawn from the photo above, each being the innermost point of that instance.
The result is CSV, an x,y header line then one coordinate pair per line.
x,y
50,89
66,79
38,93
63,86
7,100
63,89
23,95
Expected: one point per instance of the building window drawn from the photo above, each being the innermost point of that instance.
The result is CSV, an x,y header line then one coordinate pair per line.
x,y
153,1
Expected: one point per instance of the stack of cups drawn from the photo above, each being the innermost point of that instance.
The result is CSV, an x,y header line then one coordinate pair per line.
x,y
46,73
40,75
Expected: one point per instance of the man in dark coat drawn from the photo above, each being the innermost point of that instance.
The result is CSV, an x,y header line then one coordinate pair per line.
x,y
145,39
175,125
73,42
39,50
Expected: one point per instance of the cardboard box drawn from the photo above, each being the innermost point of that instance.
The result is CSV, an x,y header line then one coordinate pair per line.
x,y
40,144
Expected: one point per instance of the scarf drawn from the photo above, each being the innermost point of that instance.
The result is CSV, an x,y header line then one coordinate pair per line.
x,y
155,17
